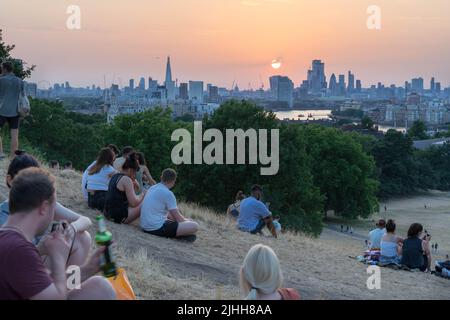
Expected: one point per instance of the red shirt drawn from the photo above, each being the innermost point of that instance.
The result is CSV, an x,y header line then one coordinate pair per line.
x,y
22,271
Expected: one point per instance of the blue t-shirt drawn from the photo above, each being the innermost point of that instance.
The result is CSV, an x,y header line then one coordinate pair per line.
x,y
4,212
375,238
252,211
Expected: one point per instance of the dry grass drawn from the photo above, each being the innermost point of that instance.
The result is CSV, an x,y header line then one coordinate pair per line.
x,y
208,269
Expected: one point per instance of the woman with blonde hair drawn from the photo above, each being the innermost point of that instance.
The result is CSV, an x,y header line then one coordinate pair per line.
x,y
261,277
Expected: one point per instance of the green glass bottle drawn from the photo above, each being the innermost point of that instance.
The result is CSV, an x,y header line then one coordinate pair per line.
x,y
104,238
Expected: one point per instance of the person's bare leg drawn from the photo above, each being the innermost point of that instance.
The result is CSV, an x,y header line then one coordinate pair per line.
x,y
94,288
133,214
187,228
80,250
14,142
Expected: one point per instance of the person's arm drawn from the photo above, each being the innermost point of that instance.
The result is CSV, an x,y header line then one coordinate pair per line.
x,y
79,222
150,179
427,252
83,185
92,266
128,187
268,218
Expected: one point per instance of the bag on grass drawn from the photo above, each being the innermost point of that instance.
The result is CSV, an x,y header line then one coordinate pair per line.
x,y
122,286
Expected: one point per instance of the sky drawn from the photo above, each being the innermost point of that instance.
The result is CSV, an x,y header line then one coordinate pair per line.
x,y
222,41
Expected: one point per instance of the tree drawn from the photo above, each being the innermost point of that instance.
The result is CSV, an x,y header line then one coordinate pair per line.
x,y
418,131
342,170
367,123
20,68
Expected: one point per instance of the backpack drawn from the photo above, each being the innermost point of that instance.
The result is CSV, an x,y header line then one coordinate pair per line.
x,y
24,107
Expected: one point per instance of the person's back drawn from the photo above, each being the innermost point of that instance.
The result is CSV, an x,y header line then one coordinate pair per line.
x,y
116,200
22,272
375,238
100,180
157,202
118,163
412,255
10,89
252,211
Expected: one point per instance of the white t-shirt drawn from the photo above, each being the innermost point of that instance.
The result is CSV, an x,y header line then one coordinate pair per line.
x,y
100,180
118,163
157,202
84,181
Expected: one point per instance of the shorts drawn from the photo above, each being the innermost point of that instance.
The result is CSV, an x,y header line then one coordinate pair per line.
x,y
12,121
117,215
97,200
168,230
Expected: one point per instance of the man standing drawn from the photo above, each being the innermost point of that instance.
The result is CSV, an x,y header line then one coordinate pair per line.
x,y
10,89
23,275
254,215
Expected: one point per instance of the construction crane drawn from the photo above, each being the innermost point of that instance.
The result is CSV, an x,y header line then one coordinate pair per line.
x,y
262,83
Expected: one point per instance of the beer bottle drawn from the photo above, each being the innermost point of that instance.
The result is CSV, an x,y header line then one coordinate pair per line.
x,y
104,238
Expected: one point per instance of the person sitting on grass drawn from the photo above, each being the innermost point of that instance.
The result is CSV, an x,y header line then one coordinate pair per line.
x,y
391,245
98,179
122,205
68,165
23,275
143,176
78,224
233,209
54,164
121,160
160,215
376,235
254,215
84,191
261,277
416,249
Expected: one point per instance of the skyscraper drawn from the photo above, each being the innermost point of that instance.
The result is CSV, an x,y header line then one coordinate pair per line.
x,y
316,77
358,86
351,82
131,84
142,84
184,92
333,86
282,89
432,85
341,85
417,85
169,83
196,91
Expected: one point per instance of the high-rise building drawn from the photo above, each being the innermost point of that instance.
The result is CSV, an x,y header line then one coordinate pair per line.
x,y
341,85
316,77
437,87
169,83
282,89
358,86
142,84
432,85
417,85
351,82
213,94
333,86
184,91
131,85
196,91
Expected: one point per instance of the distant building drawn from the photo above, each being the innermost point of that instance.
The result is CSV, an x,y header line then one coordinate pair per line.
x,y
196,91
31,89
333,86
417,85
316,77
282,89
351,82
169,83
184,91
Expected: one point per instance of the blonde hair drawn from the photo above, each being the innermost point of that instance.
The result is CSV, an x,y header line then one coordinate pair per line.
x,y
260,272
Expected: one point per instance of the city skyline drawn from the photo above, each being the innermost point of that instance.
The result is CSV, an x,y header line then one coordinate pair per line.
x,y
234,41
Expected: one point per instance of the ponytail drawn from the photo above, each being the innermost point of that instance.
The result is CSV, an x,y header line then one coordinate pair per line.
x,y
252,295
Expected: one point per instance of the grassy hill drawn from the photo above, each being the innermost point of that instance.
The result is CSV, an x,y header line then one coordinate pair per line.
x,y
208,269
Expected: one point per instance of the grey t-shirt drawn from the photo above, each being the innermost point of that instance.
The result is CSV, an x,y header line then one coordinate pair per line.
x,y
10,89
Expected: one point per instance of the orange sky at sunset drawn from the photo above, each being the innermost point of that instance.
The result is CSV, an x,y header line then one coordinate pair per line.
x,y
219,41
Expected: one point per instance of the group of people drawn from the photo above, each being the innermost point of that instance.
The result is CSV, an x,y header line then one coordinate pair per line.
x,y
413,251
40,239
121,186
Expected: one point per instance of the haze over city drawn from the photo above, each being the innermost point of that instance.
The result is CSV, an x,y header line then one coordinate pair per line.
x,y
224,41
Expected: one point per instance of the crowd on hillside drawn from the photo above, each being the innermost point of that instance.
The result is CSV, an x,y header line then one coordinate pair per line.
x,y
386,248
